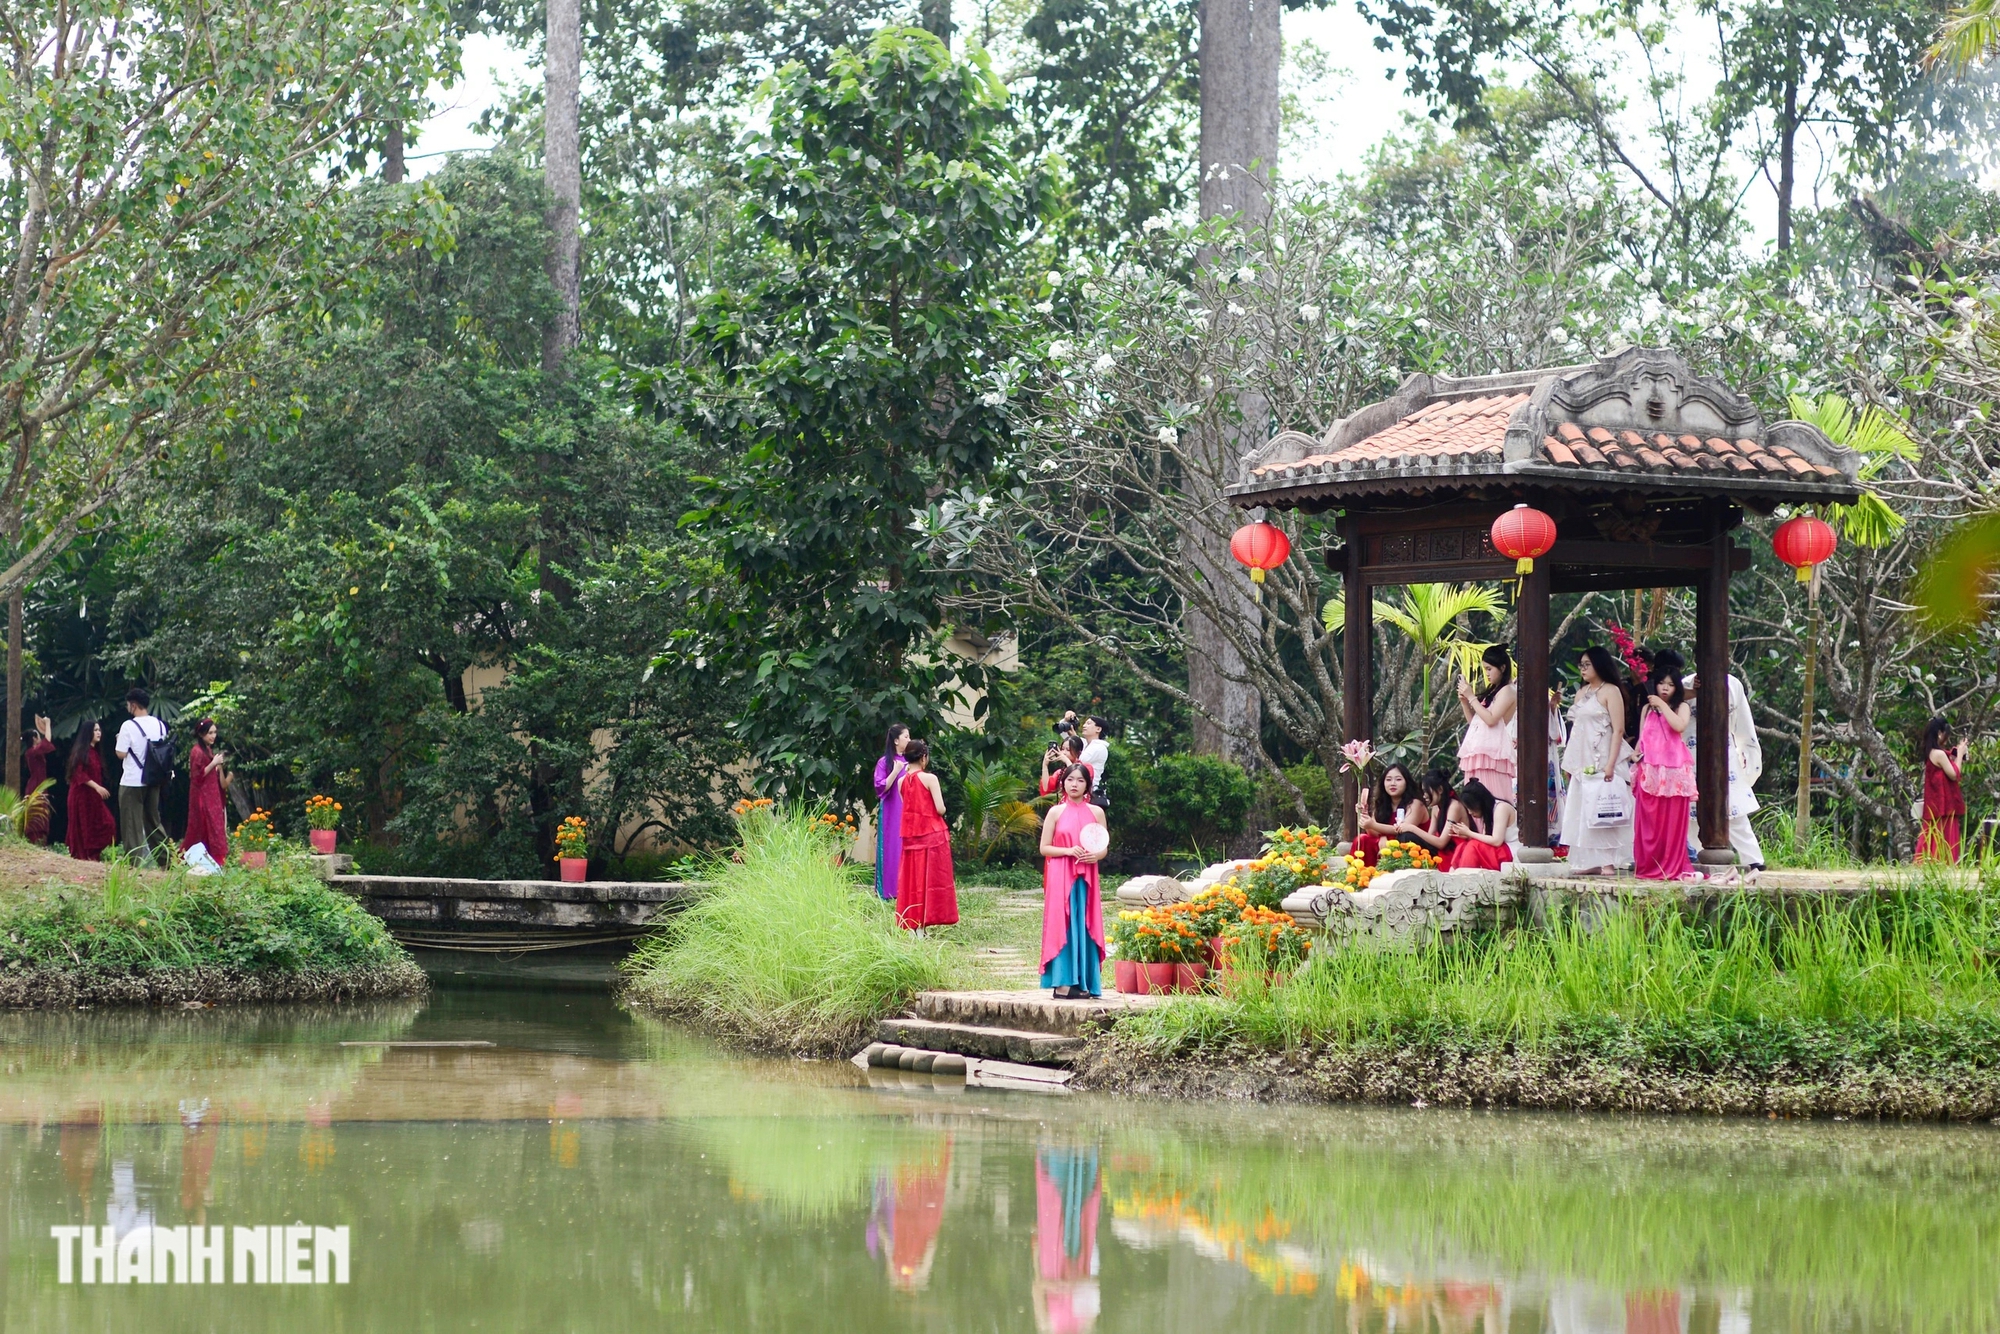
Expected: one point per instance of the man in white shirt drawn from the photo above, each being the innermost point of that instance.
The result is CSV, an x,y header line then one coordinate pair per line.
x,y
1096,754
1746,766
138,805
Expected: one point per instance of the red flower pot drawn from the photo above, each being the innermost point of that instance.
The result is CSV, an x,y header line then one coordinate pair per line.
x,y
322,841
1190,976
254,860
1127,977
573,869
1160,977
1215,944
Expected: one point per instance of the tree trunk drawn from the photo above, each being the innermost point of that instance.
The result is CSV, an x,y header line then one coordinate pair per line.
x,y
936,16
14,687
1788,135
1241,54
562,169
392,154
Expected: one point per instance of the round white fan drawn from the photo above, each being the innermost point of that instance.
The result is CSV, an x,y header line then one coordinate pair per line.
x,y
1094,838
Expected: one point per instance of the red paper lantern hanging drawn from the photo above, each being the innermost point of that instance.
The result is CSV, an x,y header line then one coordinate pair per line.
x,y
1804,541
1261,546
1522,534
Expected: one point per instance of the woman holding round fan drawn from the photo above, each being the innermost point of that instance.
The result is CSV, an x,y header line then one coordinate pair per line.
x,y
1074,841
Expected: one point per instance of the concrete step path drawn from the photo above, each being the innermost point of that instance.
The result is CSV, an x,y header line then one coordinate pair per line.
x,y
1000,1044
950,1031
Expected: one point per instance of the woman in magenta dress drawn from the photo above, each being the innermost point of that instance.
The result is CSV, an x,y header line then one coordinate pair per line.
x,y
1944,800
1072,912
207,824
1663,776
926,894
890,771
92,827
1488,750
1482,831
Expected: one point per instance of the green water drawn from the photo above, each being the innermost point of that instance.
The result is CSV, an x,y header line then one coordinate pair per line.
x,y
592,1170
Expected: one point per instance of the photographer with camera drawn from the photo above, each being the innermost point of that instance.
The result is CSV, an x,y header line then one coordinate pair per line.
x,y
1096,753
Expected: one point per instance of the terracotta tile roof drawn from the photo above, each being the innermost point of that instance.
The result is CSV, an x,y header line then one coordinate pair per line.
x,y
1466,434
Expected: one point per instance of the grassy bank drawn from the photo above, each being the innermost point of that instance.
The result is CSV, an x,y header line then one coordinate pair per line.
x,y
786,950
1885,1005
119,935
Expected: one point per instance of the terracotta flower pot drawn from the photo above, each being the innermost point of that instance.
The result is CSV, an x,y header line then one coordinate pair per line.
x,y
1215,944
323,839
1160,977
254,860
1127,977
573,869
1190,976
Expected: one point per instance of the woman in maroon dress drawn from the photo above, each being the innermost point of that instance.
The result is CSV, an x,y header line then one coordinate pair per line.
x,y
207,824
926,894
37,754
92,827
1944,800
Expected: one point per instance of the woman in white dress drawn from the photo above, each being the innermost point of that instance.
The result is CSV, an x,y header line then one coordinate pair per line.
x,y
1598,760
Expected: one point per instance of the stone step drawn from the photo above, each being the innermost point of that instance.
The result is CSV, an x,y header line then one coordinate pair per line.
x,y
1026,1011
1021,1046
884,1061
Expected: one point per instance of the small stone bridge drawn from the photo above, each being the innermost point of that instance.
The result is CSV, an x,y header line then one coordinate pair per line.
x,y
437,913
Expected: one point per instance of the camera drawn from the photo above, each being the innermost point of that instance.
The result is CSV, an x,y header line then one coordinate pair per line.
x,y
1063,727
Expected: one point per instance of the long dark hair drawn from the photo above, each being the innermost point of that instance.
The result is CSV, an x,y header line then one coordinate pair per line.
x,y
1436,788
81,748
1606,666
200,731
1496,656
1478,801
889,739
1936,732
1385,805
1062,784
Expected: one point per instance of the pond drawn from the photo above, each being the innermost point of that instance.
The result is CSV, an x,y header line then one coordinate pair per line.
x,y
593,1170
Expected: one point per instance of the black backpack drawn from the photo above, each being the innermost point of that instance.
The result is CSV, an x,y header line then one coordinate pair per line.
x,y
157,769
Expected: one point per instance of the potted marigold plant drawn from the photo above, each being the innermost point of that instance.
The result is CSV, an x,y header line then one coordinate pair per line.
x,y
1140,954
323,818
1212,910
254,838
1266,942
1401,855
573,849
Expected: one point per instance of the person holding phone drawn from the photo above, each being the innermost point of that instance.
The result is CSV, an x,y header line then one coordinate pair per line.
x,y
1944,797
1072,911
1663,782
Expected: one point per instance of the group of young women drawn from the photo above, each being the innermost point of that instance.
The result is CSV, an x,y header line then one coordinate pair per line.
x,y
1629,770
913,862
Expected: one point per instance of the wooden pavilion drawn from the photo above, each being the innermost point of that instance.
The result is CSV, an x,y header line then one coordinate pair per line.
x,y
1646,468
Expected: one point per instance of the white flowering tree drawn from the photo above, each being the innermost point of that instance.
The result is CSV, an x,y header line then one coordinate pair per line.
x,y
1146,365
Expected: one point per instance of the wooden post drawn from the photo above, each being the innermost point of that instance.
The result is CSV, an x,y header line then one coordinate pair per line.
x,y
1711,614
1357,675
1802,828
1531,710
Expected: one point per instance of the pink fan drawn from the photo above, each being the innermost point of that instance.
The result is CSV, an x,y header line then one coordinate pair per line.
x,y
1094,838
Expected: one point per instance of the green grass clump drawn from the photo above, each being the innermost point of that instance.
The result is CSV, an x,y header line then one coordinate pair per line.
x,y
786,949
1648,979
283,919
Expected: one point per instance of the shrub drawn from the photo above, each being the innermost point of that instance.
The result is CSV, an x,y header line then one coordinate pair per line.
x,y
1202,801
786,949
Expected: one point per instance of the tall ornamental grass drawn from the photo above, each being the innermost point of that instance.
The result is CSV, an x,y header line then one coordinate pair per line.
x,y
1922,956
785,949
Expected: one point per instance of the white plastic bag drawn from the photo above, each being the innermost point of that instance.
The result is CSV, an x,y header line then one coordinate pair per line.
x,y
1606,805
198,861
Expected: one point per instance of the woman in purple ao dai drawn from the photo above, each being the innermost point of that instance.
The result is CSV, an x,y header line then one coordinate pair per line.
x,y
890,771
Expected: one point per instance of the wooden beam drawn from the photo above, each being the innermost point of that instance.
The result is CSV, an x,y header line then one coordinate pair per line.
x,y
1711,616
1531,708
1357,674
1631,555
1612,581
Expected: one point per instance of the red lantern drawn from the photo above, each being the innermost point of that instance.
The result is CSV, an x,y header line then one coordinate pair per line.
x,y
1261,546
1524,534
1802,542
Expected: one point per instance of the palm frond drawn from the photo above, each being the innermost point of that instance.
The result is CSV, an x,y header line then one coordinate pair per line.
x,y
1876,435
1869,521
1970,35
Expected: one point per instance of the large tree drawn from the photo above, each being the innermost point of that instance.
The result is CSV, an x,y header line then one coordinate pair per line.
x,y
167,194
850,371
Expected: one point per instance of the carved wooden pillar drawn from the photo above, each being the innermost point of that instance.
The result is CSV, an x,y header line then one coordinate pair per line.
x,y
1357,675
1531,756
1711,616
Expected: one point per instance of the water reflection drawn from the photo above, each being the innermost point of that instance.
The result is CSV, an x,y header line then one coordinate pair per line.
x,y
590,1170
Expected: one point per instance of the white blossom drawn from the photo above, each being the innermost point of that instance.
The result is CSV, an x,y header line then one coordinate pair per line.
x,y
1045,307
993,399
1309,313
1055,277
1154,223
1167,435
1060,349
1246,274
1103,363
